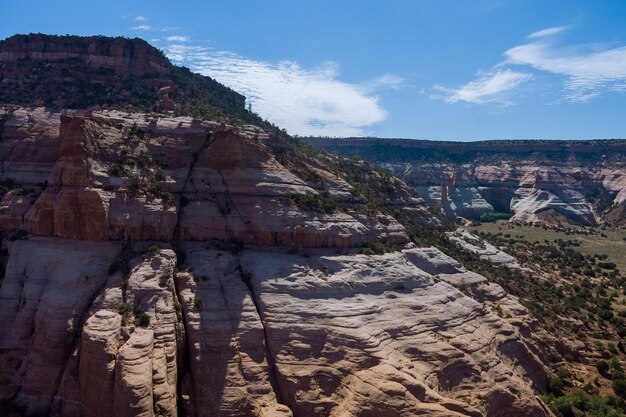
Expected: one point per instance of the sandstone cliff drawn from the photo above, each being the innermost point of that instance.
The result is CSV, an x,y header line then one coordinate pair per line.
x,y
541,182
160,265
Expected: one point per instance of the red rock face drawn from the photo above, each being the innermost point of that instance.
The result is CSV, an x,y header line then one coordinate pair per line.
x,y
234,190
266,308
132,56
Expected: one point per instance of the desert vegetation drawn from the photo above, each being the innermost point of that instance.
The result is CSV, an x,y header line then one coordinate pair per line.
x,y
576,292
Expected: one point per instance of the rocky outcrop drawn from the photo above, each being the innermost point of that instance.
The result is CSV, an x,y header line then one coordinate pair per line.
x,y
157,265
238,191
542,182
360,335
128,357
29,148
200,181
266,307
230,371
47,289
133,56
483,249
265,333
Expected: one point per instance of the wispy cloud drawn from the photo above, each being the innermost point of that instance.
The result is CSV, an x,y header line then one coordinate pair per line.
x,y
142,27
304,101
588,72
392,81
140,18
177,38
547,32
491,87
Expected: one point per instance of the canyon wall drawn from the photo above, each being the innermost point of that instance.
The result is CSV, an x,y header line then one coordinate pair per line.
x,y
168,266
541,182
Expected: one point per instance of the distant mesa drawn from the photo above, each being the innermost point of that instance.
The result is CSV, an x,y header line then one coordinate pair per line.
x,y
544,182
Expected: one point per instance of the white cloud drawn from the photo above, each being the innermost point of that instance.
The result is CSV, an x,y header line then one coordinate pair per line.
x,y
177,38
140,18
547,32
589,70
489,87
392,81
588,73
141,27
304,101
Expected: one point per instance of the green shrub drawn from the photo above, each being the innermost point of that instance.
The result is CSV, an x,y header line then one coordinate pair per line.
x,y
617,375
160,175
607,265
167,198
320,203
125,308
493,217
602,366
6,185
564,406
163,280
578,404
563,372
142,319
377,247
117,170
555,385
619,386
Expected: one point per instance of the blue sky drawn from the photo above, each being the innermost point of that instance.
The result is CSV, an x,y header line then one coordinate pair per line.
x,y
428,69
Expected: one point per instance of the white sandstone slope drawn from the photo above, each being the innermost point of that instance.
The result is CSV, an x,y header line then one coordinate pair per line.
x,y
375,335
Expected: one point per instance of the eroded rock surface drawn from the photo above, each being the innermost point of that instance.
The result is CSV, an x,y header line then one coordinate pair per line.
x,y
230,371
375,335
541,182
166,266
46,292
129,177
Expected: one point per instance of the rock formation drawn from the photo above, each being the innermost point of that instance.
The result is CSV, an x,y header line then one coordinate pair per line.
x,y
541,182
168,266
78,72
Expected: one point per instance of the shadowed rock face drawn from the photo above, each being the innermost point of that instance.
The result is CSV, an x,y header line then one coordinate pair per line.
x,y
537,181
132,56
167,267
83,71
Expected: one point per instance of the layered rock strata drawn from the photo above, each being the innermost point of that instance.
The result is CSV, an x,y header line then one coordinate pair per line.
x,y
542,182
162,266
